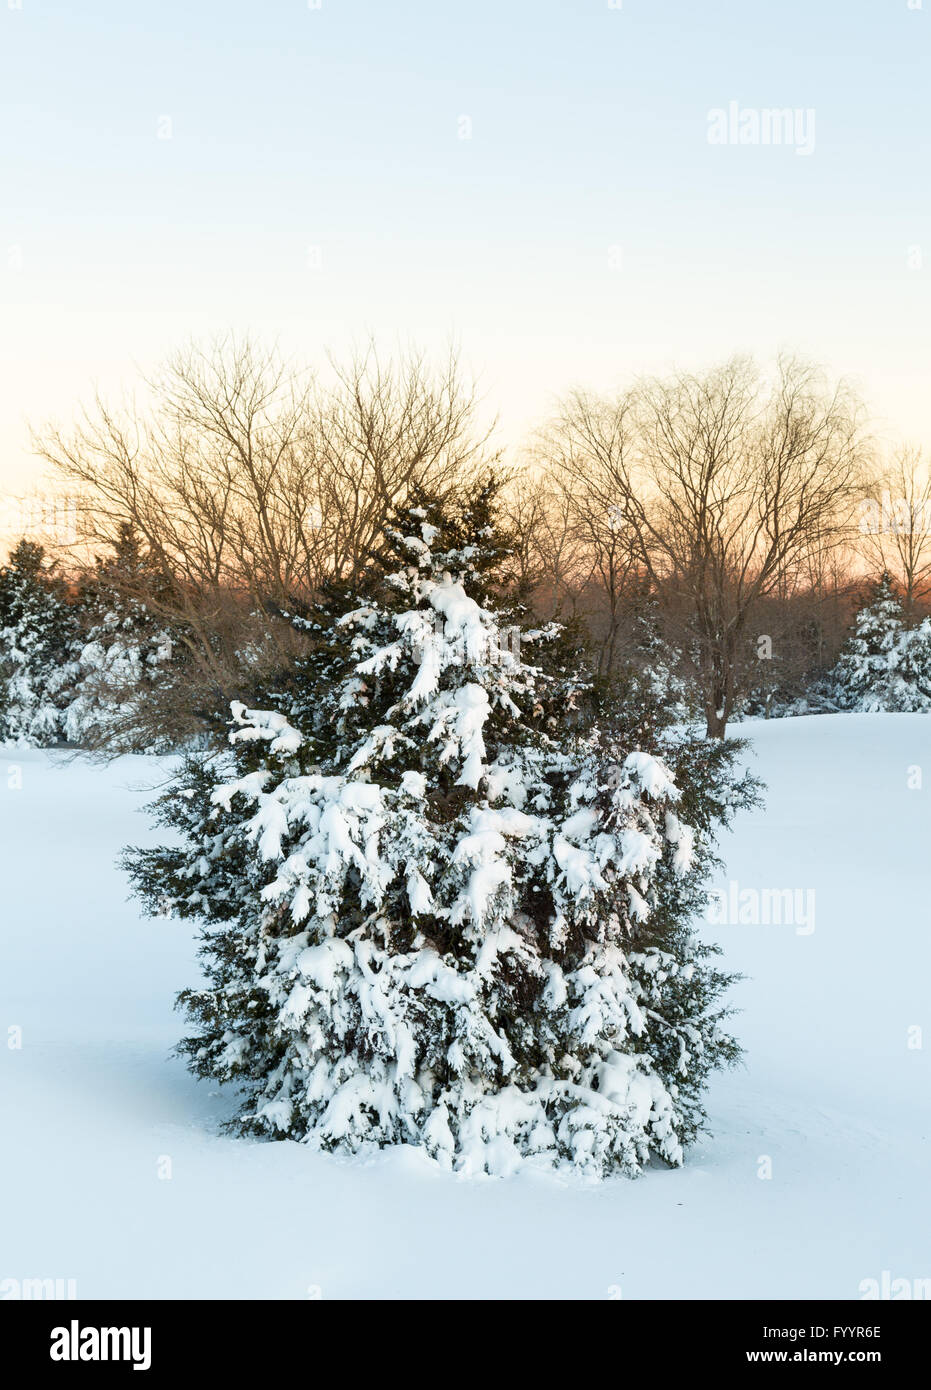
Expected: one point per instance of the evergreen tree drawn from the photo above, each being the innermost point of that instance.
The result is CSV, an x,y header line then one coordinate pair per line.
x,y
438,906
653,674
886,664
37,627
120,656
915,668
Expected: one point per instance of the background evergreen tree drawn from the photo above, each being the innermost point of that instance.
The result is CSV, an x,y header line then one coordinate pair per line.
x,y
653,676
446,897
37,628
885,665
121,655
914,668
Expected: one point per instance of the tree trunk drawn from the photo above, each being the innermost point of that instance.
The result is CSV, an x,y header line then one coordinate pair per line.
x,y
719,692
715,720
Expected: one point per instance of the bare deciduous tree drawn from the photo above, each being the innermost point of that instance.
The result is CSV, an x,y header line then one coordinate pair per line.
x,y
246,476
548,563
248,483
895,524
720,486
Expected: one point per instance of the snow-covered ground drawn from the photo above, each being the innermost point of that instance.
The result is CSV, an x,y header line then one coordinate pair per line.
x,y
832,1092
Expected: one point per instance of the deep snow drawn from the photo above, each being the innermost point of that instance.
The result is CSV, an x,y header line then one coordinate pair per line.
x,y
831,1091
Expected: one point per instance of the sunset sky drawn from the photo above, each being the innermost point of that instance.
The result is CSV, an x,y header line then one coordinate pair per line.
x,y
532,178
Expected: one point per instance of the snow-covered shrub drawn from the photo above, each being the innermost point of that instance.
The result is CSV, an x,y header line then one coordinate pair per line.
x,y
438,908
37,629
886,665
770,697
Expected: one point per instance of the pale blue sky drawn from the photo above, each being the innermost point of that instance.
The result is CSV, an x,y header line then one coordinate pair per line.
x,y
585,231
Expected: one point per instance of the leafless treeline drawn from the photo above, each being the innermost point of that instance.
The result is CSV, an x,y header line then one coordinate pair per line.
x,y
735,512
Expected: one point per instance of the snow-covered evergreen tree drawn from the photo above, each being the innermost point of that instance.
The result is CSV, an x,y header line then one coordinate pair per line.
x,y
37,628
653,671
438,907
886,665
120,656
915,666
